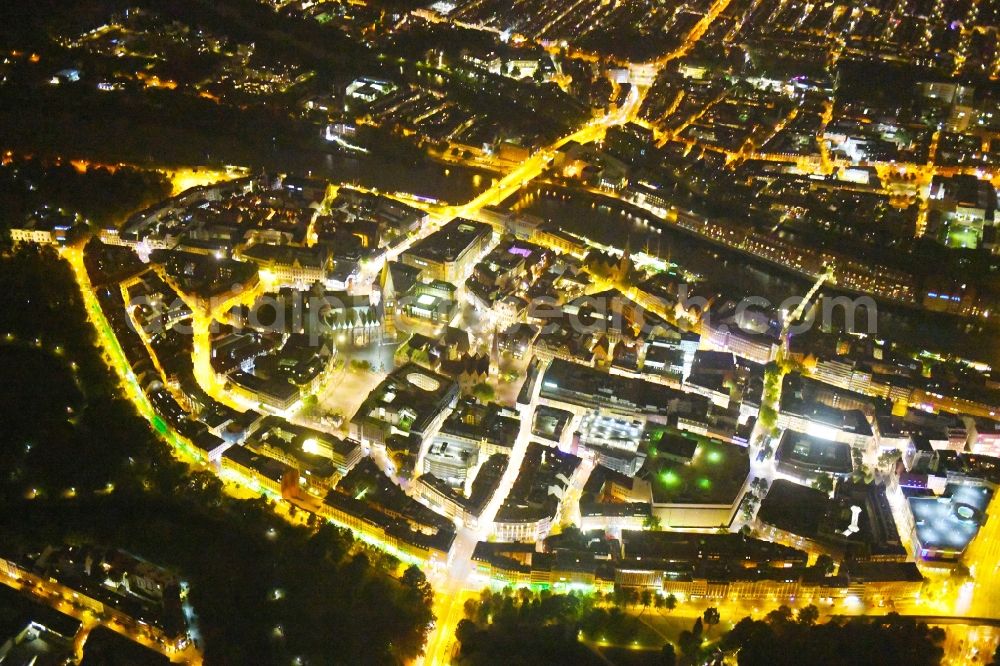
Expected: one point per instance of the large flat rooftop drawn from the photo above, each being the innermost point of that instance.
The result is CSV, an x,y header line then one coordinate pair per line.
x,y
715,474
794,508
812,454
450,242
946,525
586,386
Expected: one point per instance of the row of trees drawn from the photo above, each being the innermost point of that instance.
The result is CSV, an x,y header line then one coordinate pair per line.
x,y
532,627
755,495
785,637
768,417
529,626
525,626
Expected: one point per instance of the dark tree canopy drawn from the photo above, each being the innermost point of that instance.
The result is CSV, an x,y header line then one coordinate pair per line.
x,y
342,601
779,640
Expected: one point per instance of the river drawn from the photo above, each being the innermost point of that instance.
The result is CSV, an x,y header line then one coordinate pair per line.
x,y
444,182
738,275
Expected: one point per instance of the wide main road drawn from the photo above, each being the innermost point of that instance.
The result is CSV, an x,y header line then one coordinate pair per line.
x,y
453,590
983,560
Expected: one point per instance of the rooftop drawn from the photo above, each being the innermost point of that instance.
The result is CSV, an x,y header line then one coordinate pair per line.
x,y
490,423
672,444
18,609
583,385
550,422
106,647
946,525
450,242
370,495
714,475
287,435
408,399
694,546
531,497
267,467
801,397
793,508
813,454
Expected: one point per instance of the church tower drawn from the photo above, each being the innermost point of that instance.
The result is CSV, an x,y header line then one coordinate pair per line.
x,y
388,302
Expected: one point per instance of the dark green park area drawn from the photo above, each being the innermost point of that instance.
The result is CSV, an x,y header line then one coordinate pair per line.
x,y
39,391
341,601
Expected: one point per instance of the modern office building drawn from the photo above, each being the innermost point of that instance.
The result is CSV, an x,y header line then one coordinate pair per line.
x,y
944,526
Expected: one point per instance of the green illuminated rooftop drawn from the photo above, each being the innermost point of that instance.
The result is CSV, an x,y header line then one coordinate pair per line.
x,y
714,475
